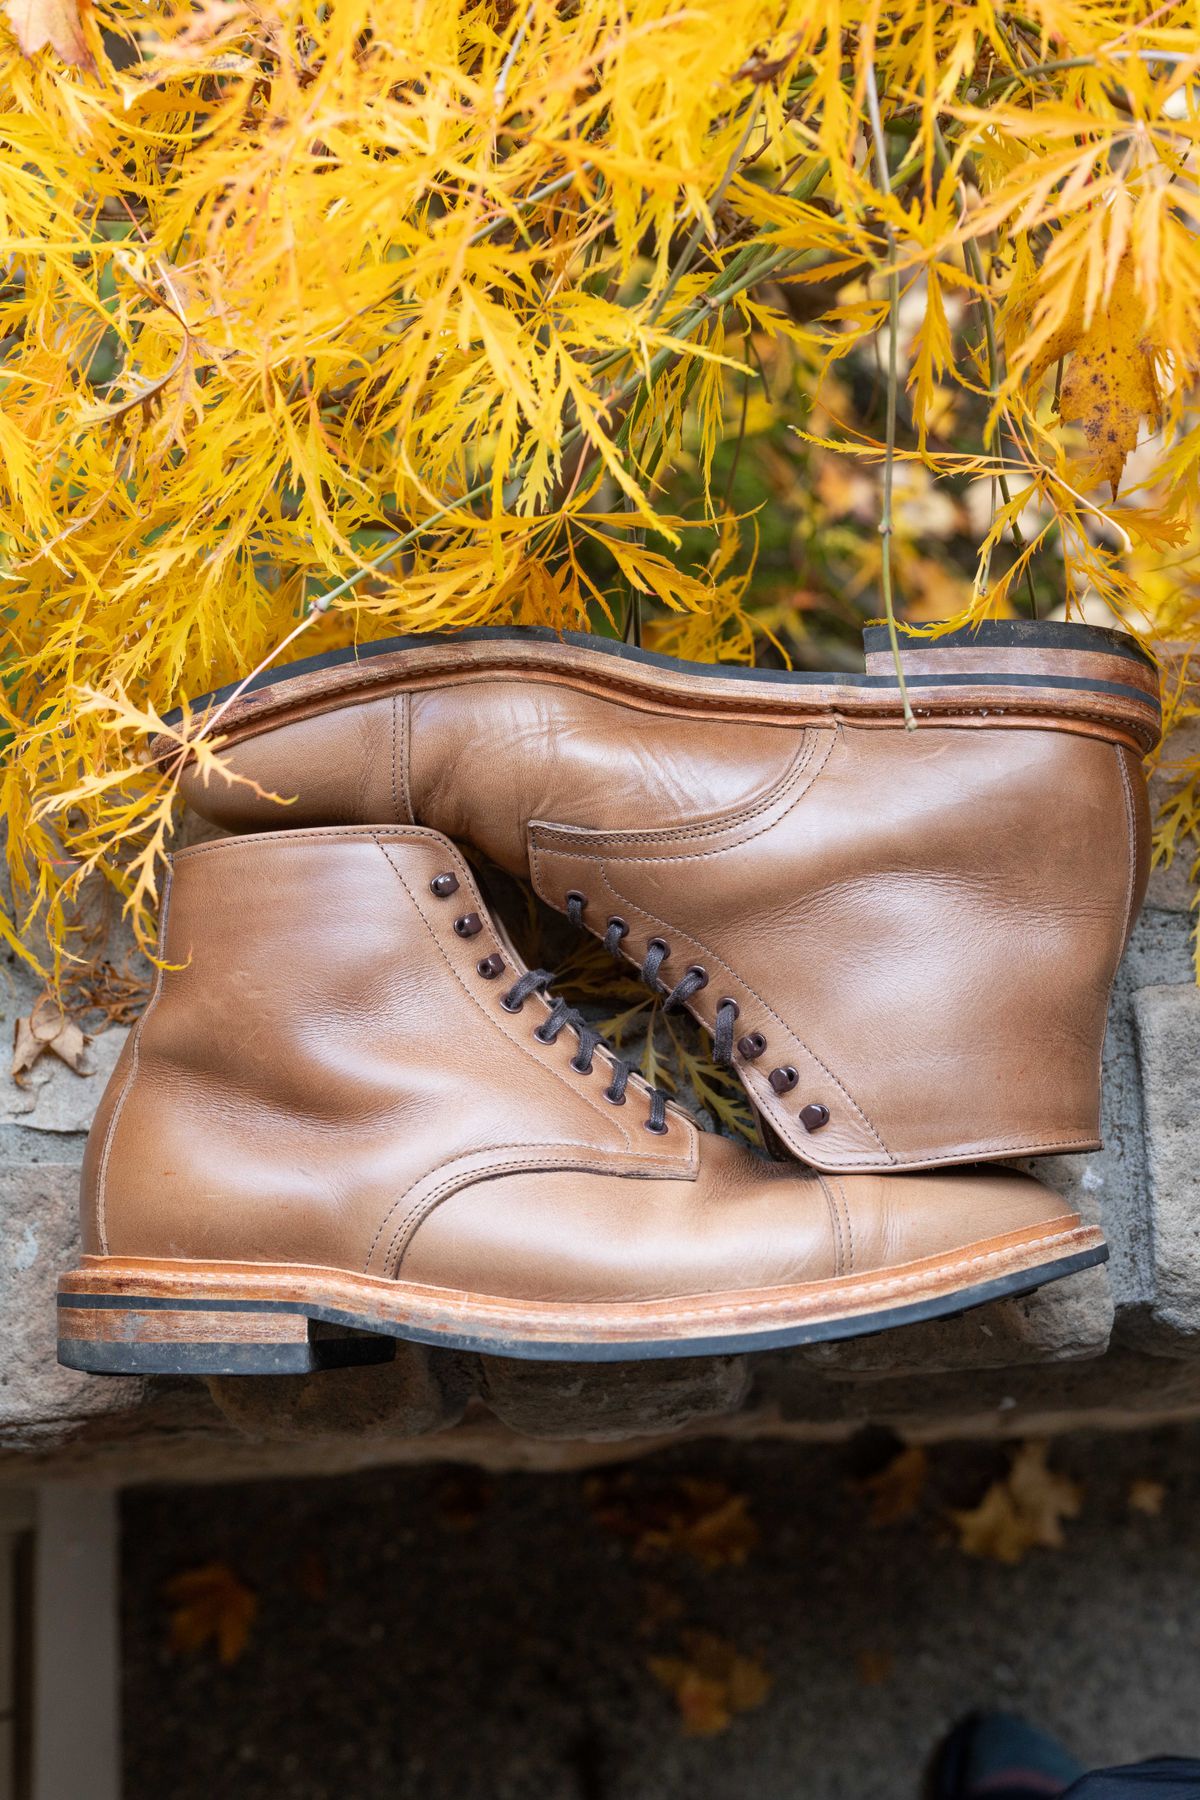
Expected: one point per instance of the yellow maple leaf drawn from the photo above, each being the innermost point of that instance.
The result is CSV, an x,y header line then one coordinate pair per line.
x,y
51,24
1109,385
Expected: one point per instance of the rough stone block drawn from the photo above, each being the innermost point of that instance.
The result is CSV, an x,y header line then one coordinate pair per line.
x,y
39,1205
56,1099
1168,1033
1066,1321
421,1391
611,1401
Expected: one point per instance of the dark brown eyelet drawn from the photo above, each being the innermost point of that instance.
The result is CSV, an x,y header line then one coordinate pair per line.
x,y
582,1068
540,1033
751,1046
728,1002
614,1099
509,1005
574,894
490,967
658,1130
469,925
814,1115
444,885
783,1080
660,944
702,973
619,924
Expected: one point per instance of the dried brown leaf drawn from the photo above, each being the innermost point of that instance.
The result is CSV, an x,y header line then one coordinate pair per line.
x,y
1147,1497
874,1667
705,1520
711,1682
1021,1512
211,1605
47,1028
895,1492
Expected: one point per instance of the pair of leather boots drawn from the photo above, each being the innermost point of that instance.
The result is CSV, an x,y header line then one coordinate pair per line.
x,y
350,1114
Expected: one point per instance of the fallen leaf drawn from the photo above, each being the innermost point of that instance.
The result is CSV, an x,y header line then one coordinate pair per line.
x,y
895,1492
874,1667
711,1682
47,1028
211,1605
705,1520
1023,1511
1109,385
1147,1497
51,24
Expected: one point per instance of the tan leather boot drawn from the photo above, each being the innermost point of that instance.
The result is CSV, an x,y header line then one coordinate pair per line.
x,y
349,1110
903,941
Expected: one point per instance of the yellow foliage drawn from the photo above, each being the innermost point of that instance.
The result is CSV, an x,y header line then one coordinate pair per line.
x,y
329,321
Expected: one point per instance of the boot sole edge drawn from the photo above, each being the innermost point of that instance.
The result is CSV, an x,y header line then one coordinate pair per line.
x,y
110,1328
1042,680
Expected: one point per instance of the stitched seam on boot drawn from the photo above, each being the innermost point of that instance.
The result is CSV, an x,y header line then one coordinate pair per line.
x,y
548,1159
127,1088
835,1221
698,943
841,1188
562,838
592,1105
556,1158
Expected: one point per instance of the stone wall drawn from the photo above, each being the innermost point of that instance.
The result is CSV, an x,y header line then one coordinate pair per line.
x,y
1111,1348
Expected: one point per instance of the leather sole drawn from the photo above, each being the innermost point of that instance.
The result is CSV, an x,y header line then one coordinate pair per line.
x,y
1000,673
122,1317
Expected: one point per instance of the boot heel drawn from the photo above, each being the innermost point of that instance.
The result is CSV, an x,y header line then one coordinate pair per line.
x,y
120,1334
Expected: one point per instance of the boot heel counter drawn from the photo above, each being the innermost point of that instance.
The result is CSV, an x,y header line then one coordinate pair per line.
x,y
92,1222
99,1151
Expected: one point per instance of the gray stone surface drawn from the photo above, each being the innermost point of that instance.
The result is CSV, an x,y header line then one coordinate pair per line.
x,y
438,1635
1168,1035
598,1402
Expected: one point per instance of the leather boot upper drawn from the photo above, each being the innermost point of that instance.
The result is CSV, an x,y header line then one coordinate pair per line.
x,y
328,1075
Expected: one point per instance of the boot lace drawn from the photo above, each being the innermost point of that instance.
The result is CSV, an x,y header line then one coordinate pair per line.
x,y
689,983
589,1040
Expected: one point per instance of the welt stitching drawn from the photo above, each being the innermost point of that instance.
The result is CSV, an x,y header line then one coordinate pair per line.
x,y
865,1285
127,1086
868,704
